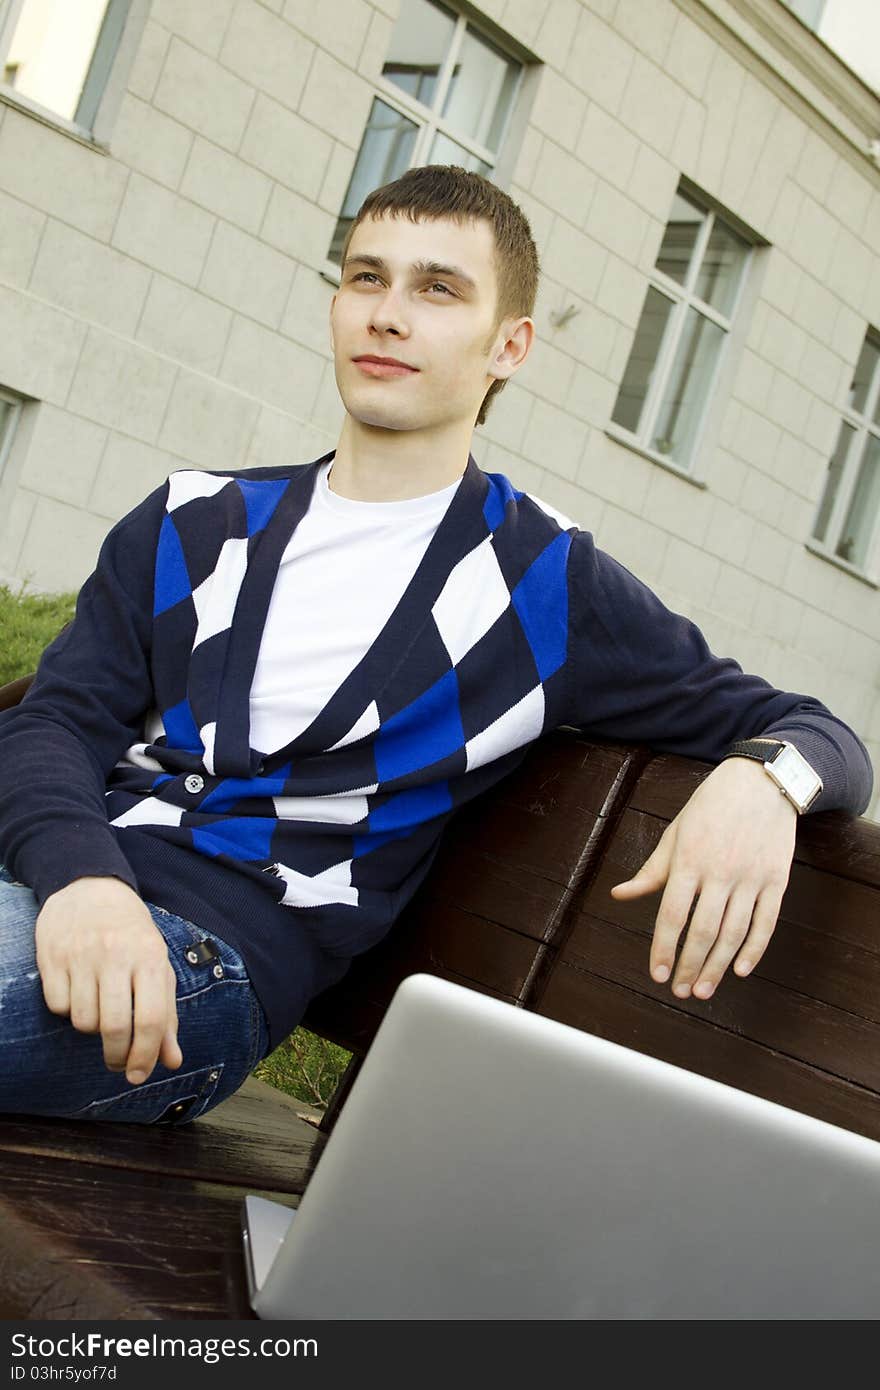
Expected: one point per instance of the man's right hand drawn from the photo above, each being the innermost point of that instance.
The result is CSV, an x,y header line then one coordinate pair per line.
x,y
104,963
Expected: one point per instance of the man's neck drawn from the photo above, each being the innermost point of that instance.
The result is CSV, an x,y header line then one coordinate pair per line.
x,y
379,465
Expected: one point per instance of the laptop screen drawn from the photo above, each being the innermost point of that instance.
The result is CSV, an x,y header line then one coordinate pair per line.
x,y
490,1163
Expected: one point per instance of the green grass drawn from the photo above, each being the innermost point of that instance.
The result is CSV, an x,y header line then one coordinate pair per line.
x,y
28,622
304,1066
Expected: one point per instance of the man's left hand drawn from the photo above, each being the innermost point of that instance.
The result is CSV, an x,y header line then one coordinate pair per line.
x,y
727,855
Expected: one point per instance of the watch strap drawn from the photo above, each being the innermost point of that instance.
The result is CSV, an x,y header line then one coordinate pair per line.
x,y
764,750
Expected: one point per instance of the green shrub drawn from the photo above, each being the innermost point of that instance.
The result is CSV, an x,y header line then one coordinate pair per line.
x,y
305,1066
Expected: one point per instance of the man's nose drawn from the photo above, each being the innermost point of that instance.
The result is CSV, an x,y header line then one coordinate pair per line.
x,y
389,315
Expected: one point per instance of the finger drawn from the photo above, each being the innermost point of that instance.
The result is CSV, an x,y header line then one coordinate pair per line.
x,y
672,917
653,874
702,933
170,1054
734,929
84,1003
764,919
116,1006
150,1022
56,988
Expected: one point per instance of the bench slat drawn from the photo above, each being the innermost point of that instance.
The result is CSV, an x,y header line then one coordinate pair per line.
x,y
832,1039
253,1139
105,1242
630,1018
826,943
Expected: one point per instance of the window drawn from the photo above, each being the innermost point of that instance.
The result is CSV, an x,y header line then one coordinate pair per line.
x,y
10,409
809,12
56,55
847,520
686,316
444,97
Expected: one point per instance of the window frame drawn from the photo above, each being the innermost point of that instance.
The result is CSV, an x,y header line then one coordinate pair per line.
x,y
10,429
429,120
863,425
118,37
684,299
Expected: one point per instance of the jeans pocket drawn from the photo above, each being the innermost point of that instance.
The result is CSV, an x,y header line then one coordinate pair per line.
x,y
173,1100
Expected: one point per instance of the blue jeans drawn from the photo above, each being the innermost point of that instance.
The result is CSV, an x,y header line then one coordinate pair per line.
x,y
48,1068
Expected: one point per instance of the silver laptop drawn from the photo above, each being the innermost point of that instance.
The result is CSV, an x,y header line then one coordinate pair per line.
x,y
489,1163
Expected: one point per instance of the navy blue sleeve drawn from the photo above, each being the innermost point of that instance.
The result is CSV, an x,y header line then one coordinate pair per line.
x,y
87,704
644,674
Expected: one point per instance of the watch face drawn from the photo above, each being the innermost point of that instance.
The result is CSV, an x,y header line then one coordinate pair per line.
x,y
795,775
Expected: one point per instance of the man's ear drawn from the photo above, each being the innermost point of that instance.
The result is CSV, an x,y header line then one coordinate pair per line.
x,y
511,348
330,316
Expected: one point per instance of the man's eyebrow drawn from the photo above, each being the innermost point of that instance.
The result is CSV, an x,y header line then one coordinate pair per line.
x,y
451,272
374,262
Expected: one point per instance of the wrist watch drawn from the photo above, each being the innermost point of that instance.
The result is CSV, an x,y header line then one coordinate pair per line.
x,y
788,768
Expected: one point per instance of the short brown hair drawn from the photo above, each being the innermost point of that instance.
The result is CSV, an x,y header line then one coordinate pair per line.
x,y
446,190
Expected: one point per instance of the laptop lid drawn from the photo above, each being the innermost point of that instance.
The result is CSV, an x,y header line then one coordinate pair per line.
x,y
490,1163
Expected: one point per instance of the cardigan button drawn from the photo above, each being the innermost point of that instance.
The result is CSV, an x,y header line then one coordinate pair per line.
x,y
194,783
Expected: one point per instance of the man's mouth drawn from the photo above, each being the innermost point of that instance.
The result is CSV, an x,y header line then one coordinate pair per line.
x,y
383,366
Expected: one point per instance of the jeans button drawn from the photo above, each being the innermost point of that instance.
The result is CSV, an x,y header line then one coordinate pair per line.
x,y
194,783
218,972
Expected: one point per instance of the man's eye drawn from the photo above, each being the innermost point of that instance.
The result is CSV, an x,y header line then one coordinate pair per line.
x,y
365,275
438,285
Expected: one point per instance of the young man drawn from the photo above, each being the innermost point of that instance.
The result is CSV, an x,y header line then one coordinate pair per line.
x,y
232,771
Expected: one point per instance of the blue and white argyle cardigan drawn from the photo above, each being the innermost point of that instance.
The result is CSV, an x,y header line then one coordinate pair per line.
x,y
303,856
469,669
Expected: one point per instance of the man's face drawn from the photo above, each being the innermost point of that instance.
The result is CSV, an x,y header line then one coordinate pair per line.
x,y
423,294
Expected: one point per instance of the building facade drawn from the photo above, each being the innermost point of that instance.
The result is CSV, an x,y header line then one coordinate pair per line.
x,y
703,181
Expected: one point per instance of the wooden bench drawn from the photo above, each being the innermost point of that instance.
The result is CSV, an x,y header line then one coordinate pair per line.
x,y
124,1221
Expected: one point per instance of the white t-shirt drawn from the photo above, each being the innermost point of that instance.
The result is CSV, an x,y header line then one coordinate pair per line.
x,y
341,576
